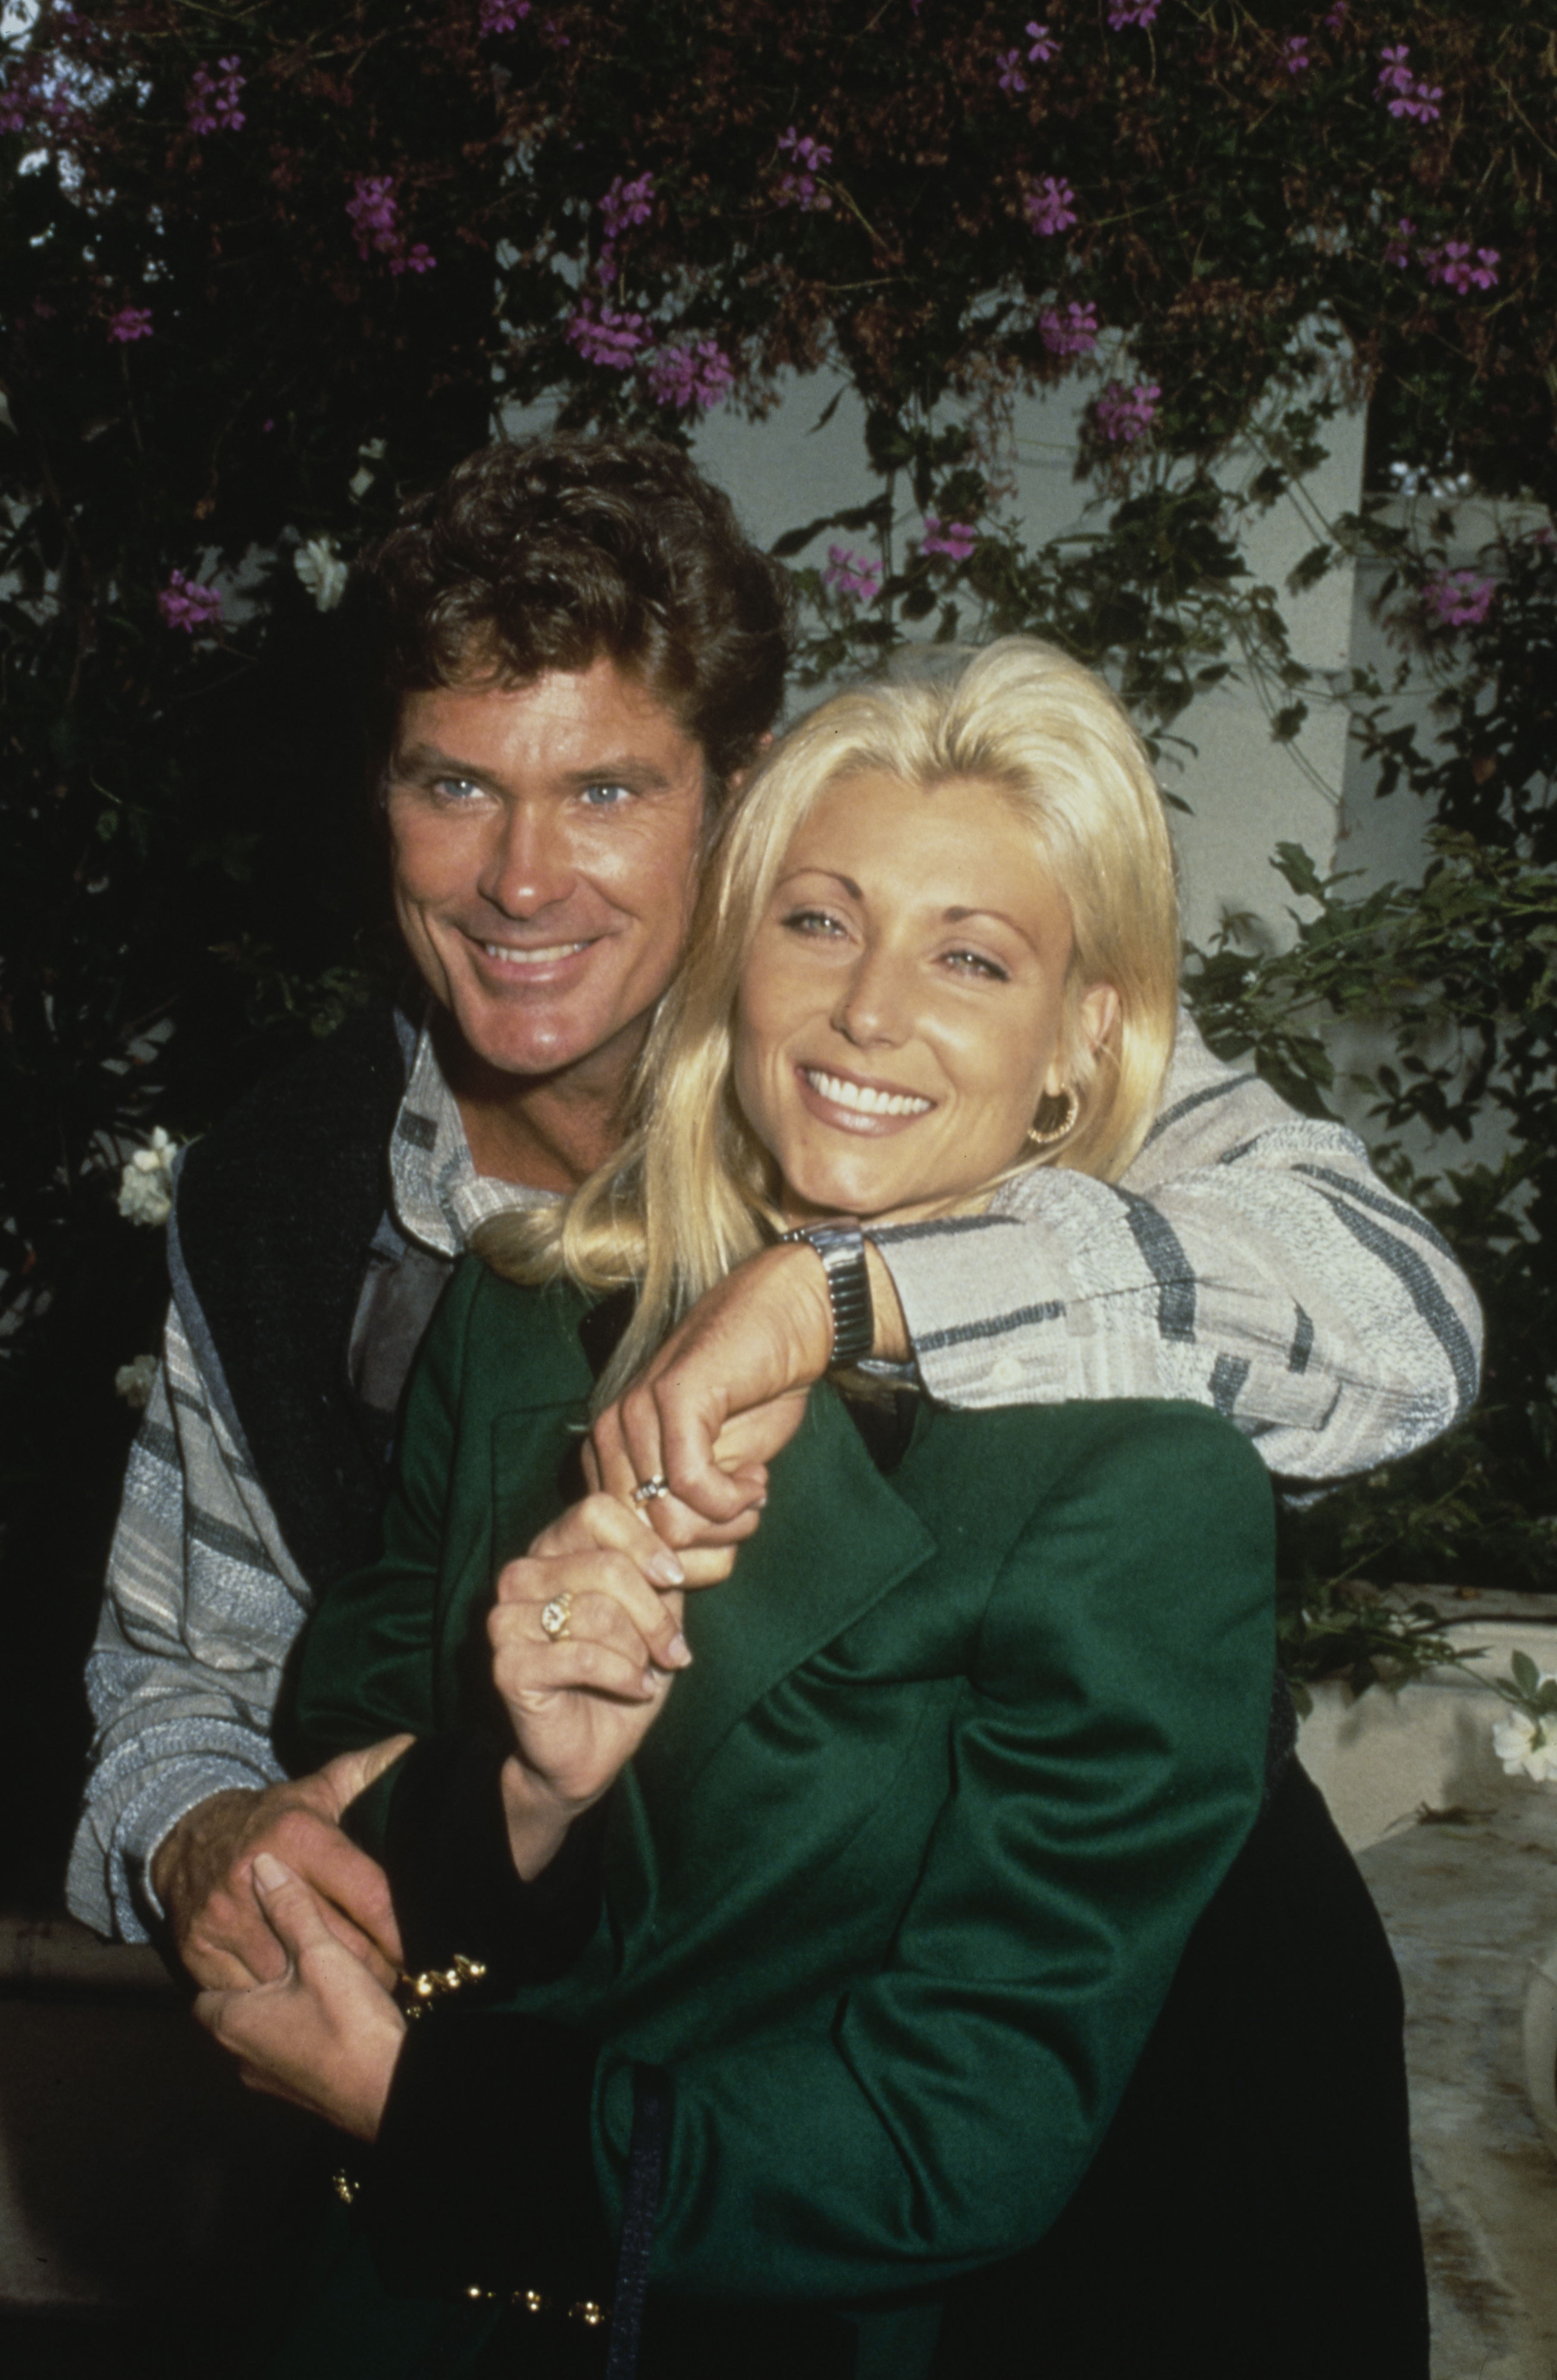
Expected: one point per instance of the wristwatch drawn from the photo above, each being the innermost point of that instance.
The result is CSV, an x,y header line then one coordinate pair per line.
x,y
840,1243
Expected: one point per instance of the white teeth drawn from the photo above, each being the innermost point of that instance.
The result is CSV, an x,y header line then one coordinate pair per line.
x,y
532,958
867,1102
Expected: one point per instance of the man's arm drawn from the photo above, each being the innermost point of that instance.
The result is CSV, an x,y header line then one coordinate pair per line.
x,y
1249,1259
203,1606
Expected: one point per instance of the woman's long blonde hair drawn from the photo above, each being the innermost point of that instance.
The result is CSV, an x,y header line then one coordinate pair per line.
x,y
692,1191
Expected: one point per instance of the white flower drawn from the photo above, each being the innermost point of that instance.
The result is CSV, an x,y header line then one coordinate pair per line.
x,y
135,1381
1522,1743
361,481
146,1184
322,571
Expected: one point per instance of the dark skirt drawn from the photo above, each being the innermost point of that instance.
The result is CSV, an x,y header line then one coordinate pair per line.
x,y
1250,2215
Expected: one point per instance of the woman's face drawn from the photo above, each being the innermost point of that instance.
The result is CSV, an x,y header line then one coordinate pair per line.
x,y
900,1017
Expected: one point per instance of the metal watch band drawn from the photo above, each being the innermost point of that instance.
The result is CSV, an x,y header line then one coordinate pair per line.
x,y
841,1245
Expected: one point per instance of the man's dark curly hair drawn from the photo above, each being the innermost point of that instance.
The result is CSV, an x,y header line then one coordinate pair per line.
x,y
547,554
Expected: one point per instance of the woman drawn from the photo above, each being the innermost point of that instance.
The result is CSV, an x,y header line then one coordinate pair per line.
x,y
827,2001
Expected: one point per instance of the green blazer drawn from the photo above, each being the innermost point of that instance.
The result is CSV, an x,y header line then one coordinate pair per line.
x,y
896,1885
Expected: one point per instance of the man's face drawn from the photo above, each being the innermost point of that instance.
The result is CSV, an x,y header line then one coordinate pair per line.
x,y
544,841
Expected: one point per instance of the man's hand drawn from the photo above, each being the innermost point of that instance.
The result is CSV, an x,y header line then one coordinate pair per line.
x,y
202,1873
728,1389
325,2033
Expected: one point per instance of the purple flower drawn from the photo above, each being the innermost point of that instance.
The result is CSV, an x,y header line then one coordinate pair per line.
x,y
1294,54
954,537
500,16
418,259
1051,206
1044,45
1405,94
1336,17
858,574
130,323
1132,12
1011,75
1458,599
810,154
212,104
627,203
1451,266
603,336
702,375
372,209
185,603
799,190
1123,415
1399,249
1073,333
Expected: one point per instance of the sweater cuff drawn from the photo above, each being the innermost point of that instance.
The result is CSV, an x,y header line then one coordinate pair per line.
x,y
482,2177
452,1874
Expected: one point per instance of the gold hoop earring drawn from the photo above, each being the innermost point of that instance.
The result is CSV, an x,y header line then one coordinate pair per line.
x,y
1061,1131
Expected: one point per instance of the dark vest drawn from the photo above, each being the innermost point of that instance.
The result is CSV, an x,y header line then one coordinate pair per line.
x,y
277,1208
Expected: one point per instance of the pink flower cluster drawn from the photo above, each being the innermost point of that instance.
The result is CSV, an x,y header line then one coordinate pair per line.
x,y
700,375
858,574
1071,332
1126,414
1011,75
1132,12
130,323
1407,93
213,100
1044,45
185,603
373,212
1336,17
1294,54
604,337
1051,206
799,190
624,204
956,539
1451,266
500,16
1458,599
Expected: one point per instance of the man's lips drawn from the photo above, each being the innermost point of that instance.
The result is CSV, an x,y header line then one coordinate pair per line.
x,y
522,960
856,1106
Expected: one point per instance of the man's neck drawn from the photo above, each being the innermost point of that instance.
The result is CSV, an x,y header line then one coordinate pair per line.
x,y
547,1132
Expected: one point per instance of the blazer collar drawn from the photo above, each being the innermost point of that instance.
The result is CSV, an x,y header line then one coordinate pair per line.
x,y
834,1537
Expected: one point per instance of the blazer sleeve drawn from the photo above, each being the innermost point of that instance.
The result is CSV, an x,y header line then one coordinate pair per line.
x,y
1249,1259
1108,1763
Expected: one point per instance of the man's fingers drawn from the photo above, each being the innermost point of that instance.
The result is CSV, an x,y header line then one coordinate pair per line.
x,y
328,1862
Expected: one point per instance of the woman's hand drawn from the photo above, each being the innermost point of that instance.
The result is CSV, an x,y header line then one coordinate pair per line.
x,y
581,1699
727,1390
326,2034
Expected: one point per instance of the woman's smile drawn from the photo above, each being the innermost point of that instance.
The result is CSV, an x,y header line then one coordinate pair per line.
x,y
905,1007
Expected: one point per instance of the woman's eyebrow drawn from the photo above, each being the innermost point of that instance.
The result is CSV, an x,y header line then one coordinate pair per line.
x,y
835,876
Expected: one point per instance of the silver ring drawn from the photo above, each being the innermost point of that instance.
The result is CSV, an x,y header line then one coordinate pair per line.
x,y
555,1615
649,1491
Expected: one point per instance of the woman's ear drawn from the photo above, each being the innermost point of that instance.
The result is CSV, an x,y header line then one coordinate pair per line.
x,y
1094,1017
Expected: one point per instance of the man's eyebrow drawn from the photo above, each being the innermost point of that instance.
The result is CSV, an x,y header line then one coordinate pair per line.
x,y
423,762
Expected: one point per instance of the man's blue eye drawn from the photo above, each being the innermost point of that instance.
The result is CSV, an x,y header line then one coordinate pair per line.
x,y
607,797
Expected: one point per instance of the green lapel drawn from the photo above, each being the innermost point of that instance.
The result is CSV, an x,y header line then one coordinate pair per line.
x,y
834,1538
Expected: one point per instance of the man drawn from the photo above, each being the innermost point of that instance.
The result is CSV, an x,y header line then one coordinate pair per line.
x,y
580,656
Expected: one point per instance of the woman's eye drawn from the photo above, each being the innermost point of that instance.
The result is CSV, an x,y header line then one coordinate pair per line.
x,y
975,963
811,921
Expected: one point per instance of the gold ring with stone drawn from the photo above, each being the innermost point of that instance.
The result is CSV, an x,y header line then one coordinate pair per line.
x,y
649,1491
555,1615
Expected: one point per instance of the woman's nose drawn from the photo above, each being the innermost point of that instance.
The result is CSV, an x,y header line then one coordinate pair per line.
x,y
527,866
873,1010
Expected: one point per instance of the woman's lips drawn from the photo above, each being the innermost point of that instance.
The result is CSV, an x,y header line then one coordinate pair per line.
x,y
854,1106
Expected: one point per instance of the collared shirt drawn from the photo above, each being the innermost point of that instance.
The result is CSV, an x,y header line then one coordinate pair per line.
x,y
1249,1259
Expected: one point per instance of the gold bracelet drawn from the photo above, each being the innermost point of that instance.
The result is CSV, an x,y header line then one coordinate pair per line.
x,y
585,2310
417,1993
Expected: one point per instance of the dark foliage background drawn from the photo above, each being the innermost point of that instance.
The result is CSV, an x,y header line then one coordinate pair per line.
x,y
263,269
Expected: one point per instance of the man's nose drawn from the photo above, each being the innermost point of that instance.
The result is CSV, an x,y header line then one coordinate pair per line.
x,y
527,866
873,1010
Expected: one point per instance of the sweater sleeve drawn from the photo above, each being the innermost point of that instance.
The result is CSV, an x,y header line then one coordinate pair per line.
x,y
1248,1260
